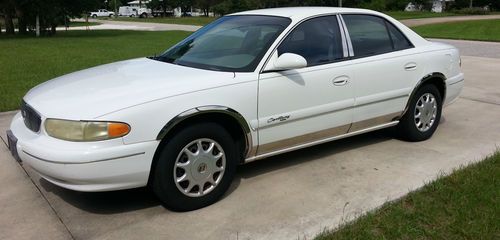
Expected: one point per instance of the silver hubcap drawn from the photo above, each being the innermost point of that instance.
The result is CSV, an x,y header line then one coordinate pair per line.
x,y
199,167
425,112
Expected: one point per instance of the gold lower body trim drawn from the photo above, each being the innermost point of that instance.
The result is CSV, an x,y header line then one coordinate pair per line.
x,y
306,140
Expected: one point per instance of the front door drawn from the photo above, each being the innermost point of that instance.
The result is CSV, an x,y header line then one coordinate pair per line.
x,y
309,104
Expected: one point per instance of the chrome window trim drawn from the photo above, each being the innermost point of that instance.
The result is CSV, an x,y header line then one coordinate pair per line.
x,y
348,37
385,22
343,36
290,31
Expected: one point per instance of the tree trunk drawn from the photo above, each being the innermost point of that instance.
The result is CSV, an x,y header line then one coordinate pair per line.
x,y
9,25
53,29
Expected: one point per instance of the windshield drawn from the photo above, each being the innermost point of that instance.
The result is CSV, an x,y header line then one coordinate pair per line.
x,y
231,43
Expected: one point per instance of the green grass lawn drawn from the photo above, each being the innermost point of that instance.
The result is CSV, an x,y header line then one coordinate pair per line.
x,y
463,205
28,61
424,14
198,21
484,30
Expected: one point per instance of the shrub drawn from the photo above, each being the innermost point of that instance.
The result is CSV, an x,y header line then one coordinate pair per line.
x,y
472,11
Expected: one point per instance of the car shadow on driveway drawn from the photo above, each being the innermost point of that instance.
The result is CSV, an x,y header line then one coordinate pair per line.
x,y
141,198
105,202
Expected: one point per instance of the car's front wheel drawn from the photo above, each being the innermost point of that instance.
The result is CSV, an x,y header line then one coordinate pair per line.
x,y
195,167
422,116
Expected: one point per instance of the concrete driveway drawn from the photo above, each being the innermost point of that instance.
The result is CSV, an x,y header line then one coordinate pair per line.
x,y
291,196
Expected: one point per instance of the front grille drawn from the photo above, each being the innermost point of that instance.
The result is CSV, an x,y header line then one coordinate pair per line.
x,y
32,119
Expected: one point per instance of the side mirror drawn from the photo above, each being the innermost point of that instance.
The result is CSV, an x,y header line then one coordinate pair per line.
x,y
287,61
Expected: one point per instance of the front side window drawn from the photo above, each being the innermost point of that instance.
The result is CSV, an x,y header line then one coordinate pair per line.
x,y
231,43
371,35
318,40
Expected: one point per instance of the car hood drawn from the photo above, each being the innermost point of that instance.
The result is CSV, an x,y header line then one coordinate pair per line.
x,y
96,91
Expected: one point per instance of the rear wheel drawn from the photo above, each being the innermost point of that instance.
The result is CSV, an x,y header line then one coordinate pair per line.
x,y
422,116
94,16
195,167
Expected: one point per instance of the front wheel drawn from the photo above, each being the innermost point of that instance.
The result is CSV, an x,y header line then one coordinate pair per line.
x,y
195,167
422,116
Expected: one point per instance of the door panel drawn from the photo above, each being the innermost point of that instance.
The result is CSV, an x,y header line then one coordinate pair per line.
x,y
387,66
300,106
308,104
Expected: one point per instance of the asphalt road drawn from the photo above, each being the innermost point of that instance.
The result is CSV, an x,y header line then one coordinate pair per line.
x,y
425,21
291,196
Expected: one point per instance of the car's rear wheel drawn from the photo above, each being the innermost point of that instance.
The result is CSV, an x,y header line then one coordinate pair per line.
x,y
422,116
94,16
195,167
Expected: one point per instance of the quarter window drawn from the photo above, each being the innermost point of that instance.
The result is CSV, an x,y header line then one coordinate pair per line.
x,y
400,41
372,35
317,40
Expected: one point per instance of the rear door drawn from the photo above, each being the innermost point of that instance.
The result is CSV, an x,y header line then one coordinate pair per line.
x,y
386,67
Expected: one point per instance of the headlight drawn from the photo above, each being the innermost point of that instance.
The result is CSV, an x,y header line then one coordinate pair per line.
x,y
83,131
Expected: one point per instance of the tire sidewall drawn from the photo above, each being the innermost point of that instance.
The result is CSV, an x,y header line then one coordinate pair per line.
x,y
164,184
409,118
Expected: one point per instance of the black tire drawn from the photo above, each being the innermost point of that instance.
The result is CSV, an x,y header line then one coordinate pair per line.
x,y
407,128
163,183
94,16
144,15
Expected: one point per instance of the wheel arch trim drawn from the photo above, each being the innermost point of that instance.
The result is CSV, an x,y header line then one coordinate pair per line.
x,y
212,109
421,82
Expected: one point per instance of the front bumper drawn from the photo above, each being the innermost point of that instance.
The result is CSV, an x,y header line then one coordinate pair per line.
x,y
84,166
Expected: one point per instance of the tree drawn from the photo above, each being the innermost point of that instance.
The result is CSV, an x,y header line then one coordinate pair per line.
x,y
7,9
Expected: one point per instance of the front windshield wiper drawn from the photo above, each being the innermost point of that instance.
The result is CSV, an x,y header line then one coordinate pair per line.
x,y
162,59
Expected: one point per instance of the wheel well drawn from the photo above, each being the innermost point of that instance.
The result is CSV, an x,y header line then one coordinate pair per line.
x,y
439,83
436,79
225,120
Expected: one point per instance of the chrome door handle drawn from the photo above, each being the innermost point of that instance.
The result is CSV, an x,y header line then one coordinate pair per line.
x,y
341,80
410,66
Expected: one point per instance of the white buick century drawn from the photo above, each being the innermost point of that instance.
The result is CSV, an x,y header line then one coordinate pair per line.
x,y
245,87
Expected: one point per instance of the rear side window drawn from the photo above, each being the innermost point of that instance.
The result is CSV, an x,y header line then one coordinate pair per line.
x,y
318,40
372,35
399,40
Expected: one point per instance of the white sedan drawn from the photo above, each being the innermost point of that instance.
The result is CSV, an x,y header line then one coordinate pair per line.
x,y
245,87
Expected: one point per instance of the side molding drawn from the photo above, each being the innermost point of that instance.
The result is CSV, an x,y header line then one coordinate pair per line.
x,y
420,83
211,109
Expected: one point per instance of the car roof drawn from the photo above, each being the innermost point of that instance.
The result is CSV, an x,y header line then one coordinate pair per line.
x,y
296,13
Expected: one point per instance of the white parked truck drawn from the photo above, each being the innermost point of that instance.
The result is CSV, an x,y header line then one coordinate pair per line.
x,y
134,11
101,13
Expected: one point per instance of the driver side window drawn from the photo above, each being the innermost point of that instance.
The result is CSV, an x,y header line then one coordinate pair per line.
x,y
318,40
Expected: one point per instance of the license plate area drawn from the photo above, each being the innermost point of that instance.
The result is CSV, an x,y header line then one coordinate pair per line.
x,y
12,141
